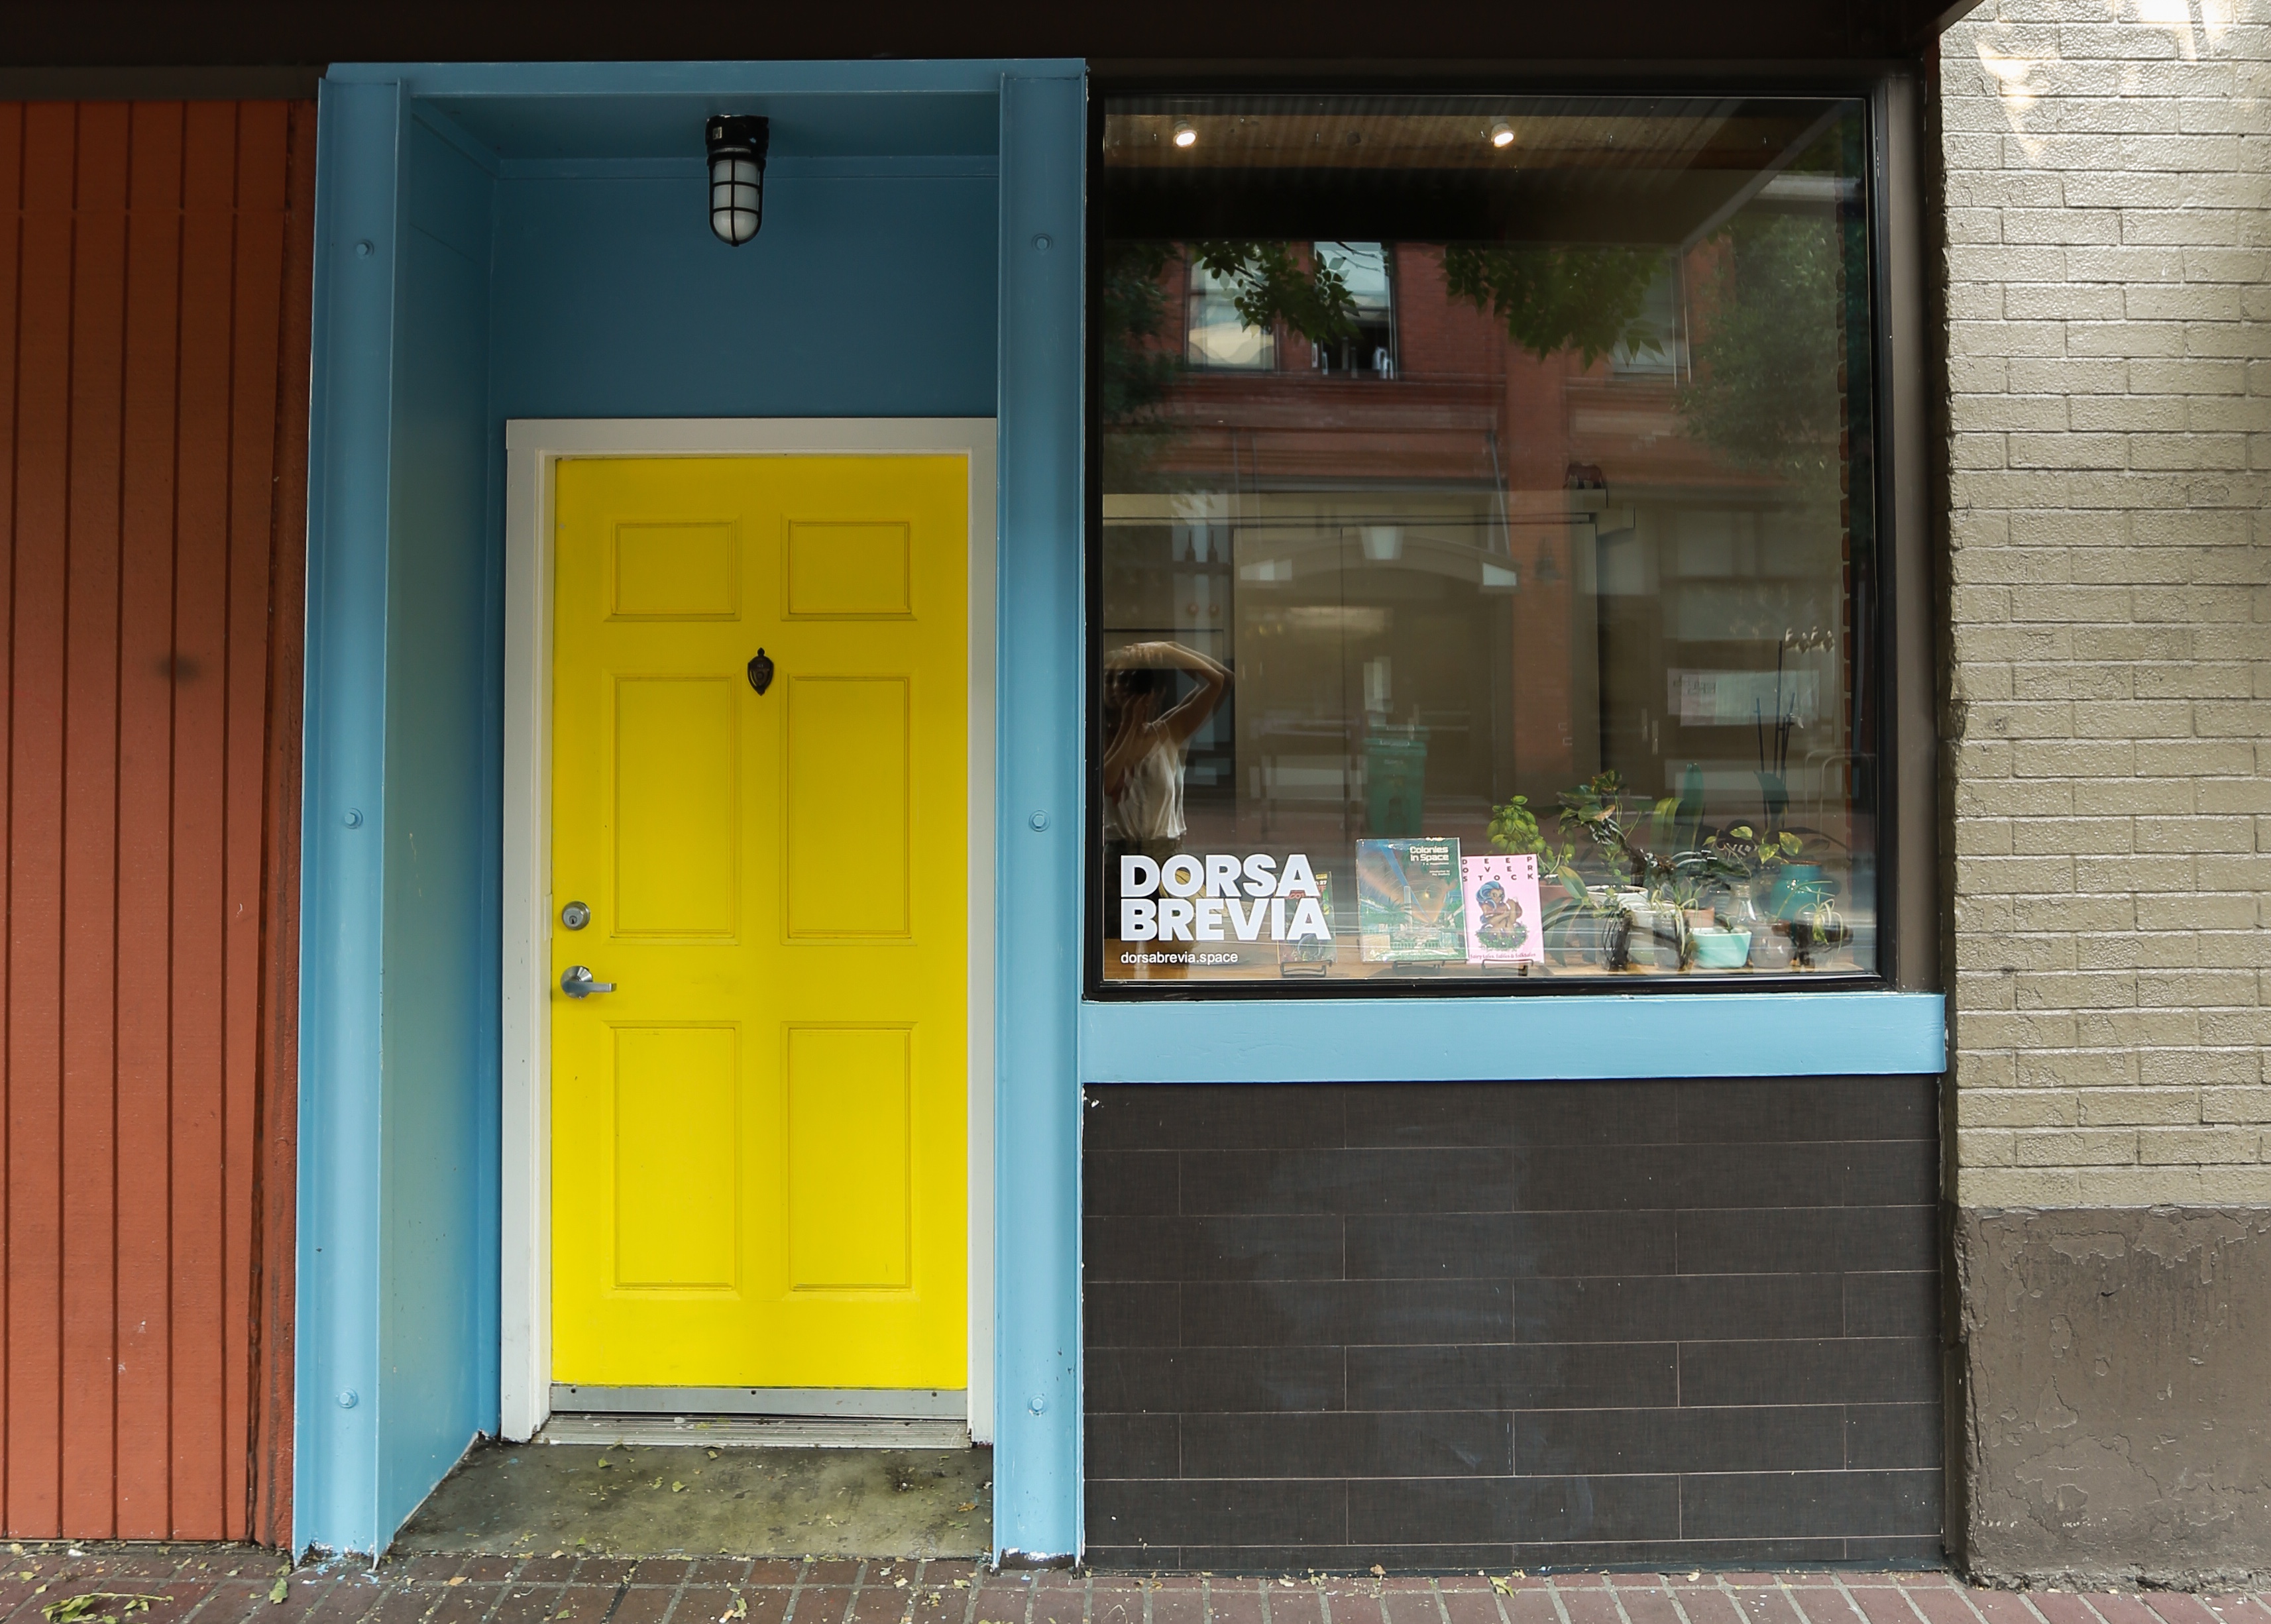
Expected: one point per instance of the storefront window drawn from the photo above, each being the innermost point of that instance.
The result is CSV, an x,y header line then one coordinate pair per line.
x,y
1486,542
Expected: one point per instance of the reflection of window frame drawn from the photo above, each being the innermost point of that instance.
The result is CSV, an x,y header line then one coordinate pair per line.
x,y
1898,612
1221,294
1319,357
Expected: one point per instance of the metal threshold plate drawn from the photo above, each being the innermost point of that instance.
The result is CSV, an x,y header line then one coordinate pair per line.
x,y
846,1403
647,1432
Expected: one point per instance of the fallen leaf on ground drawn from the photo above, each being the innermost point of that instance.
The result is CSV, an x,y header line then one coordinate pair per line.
x,y
678,1488
94,1605
460,1579
280,1590
739,1610
1378,1572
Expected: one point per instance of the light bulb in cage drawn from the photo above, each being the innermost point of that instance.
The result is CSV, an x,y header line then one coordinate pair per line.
x,y
737,176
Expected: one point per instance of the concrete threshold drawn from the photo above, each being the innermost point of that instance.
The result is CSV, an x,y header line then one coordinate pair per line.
x,y
738,1488
755,1432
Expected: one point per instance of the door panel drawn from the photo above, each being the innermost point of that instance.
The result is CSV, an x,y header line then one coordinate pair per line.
x,y
849,1175
677,572
838,571
850,814
676,1148
677,824
759,1139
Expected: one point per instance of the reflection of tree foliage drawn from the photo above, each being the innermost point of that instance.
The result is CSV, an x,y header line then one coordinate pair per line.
x,y
1133,371
1766,350
1270,286
1557,298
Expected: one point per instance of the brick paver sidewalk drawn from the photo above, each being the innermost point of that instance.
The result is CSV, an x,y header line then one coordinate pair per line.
x,y
236,1584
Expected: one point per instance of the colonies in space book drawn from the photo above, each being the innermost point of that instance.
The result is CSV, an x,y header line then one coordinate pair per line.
x,y
1410,906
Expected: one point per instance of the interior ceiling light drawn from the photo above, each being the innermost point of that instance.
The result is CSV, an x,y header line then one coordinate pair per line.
x,y
1185,136
1502,134
737,175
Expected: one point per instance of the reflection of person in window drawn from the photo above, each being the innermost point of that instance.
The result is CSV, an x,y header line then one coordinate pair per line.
x,y
1146,730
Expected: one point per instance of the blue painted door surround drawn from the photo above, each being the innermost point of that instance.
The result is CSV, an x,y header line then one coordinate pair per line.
x,y
530,240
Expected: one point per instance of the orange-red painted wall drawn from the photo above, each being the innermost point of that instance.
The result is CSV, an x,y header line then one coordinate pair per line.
x,y
153,367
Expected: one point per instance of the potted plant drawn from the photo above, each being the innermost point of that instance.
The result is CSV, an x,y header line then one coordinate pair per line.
x,y
1817,930
1581,921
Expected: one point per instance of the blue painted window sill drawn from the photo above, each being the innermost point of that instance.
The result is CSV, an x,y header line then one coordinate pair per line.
x,y
1420,1040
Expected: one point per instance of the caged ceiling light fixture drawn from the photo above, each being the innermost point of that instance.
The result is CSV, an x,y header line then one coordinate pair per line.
x,y
737,175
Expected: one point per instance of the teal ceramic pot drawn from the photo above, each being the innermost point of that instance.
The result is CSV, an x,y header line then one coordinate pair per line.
x,y
1722,949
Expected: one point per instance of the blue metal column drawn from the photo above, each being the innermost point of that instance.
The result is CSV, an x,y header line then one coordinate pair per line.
x,y
1037,1473
342,813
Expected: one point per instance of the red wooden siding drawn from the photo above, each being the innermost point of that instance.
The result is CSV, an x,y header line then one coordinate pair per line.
x,y
154,348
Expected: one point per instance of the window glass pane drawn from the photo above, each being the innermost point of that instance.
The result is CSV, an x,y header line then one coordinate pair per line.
x,y
1487,549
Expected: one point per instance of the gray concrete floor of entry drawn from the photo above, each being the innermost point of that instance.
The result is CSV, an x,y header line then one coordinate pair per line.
x,y
544,1500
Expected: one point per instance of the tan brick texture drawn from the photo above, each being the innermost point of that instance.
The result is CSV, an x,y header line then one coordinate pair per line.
x,y
2107,274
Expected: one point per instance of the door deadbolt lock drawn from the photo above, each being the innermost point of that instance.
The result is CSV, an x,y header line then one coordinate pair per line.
x,y
576,915
577,982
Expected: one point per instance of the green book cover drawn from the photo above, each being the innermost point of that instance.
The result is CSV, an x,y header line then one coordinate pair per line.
x,y
1410,905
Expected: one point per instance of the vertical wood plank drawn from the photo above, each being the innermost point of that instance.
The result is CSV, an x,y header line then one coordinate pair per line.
x,y
145,761
200,749
35,1373
276,1208
90,1105
261,131
11,197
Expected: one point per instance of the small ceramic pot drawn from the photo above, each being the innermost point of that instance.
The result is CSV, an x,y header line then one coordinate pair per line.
x,y
1721,949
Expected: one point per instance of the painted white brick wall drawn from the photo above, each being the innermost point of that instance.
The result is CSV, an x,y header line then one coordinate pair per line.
x,y
2108,282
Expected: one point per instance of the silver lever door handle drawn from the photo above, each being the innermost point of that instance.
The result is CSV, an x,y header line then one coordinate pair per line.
x,y
575,981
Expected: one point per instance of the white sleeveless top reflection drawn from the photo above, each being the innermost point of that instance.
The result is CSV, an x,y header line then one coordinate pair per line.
x,y
1149,804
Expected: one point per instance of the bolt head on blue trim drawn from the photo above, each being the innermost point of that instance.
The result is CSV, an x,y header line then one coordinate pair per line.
x,y
737,144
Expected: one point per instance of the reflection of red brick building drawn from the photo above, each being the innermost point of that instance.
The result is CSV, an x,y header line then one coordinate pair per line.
x,y
1532,476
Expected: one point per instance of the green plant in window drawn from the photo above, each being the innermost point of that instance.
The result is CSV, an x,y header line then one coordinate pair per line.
x,y
1741,854
1555,297
1595,809
1514,829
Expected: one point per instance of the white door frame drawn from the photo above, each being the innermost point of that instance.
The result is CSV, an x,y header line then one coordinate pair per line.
x,y
533,446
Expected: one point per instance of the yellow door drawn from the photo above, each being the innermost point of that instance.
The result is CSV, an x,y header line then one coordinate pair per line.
x,y
758,1136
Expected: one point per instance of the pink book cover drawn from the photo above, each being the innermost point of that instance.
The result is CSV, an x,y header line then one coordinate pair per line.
x,y
1504,924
